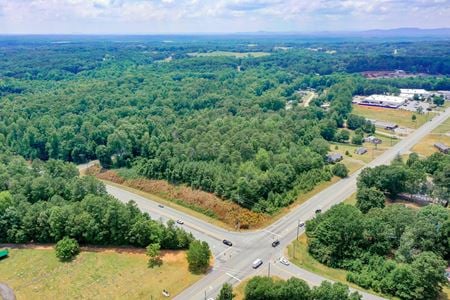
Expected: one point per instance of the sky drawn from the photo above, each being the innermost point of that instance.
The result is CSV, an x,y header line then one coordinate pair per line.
x,y
216,16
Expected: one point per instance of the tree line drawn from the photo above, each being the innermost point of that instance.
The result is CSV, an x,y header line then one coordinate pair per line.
x,y
200,121
45,202
394,249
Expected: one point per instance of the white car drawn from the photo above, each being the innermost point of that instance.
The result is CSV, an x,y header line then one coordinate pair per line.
x,y
180,222
301,224
284,261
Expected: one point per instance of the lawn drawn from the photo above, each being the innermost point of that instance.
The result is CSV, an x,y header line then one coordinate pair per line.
x,y
401,117
105,274
229,53
355,161
351,200
440,134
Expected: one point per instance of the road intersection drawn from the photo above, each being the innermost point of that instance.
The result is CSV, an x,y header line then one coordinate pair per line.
x,y
233,264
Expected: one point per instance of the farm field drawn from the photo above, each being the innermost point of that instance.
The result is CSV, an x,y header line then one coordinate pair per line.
x,y
401,117
229,53
441,134
103,274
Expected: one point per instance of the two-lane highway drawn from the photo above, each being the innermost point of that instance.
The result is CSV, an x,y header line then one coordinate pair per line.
x,y
233,264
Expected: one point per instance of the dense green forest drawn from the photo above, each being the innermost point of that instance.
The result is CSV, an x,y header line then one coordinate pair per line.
x,y
45,202
219,124
262,288
395,249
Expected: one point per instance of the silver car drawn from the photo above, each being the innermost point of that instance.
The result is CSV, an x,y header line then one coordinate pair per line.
x,y
284,261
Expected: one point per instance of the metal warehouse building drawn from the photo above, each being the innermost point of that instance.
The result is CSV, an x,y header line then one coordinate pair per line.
x,y
383,101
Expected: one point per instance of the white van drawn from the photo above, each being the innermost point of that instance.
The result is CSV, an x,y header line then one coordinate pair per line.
x,y
257,263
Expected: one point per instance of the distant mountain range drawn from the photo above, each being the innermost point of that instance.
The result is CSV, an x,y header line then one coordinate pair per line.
x,y
405,32
396,32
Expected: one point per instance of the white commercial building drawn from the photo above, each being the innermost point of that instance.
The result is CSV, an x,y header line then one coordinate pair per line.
x,y
383,101
409,93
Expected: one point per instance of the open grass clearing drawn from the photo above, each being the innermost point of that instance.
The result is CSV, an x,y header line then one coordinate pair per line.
x,y
107,274
371,154
426,146
351,200
229,53
441,134
398,116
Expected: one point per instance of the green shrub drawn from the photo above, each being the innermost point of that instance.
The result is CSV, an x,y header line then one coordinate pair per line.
x,y
67,249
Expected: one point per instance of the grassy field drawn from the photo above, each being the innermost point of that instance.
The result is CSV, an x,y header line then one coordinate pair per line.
x,y
351,200
352,159
229,53
440,134
401,117
108,274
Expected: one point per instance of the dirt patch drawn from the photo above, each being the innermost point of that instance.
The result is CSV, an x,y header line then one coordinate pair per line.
x,y
203,202
172,256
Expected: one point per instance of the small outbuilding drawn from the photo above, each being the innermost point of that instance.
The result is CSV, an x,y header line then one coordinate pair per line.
x,y
442,148
372,139
361,151
384,125
334,157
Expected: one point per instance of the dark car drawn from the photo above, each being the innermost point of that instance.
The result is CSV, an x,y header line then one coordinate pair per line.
x,y
275,243
318,211
160,205
228,243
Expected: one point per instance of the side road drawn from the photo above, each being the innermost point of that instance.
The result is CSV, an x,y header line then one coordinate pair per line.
x,y
233,264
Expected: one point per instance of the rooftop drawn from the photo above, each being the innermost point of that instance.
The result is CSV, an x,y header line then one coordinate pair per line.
x,y
414,91
385,98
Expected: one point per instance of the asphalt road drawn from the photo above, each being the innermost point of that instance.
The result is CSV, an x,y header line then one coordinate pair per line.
x,y
233,264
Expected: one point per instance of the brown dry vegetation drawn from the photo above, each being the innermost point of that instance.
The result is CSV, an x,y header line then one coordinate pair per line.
x,y
207,203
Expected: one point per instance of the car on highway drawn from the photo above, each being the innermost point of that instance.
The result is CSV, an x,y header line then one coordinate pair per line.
x,y
228,243
284,261
319,210
180,222
160,205
301,223
275,243
257,263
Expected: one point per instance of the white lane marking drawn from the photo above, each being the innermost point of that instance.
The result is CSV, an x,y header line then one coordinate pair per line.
x,y
268,231
223,252
234,277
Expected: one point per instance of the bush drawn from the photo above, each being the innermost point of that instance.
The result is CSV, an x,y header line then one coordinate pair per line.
x,y
226,293
67,249
198,257
367,198
358,139
340,170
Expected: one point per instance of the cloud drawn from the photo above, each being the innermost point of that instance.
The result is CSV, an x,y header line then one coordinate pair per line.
x,y
220,15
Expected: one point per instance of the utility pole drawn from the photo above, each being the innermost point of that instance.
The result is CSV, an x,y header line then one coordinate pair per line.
x,y
205,294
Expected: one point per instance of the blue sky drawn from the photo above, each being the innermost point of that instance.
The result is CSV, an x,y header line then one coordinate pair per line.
x,y
217,16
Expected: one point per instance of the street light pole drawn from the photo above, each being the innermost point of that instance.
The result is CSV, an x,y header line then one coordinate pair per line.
x,y
268,273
